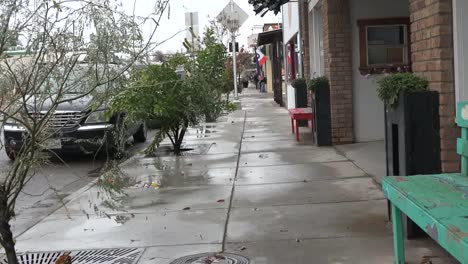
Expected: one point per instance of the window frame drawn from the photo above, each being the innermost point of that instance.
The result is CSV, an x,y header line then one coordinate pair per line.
x,y
363,25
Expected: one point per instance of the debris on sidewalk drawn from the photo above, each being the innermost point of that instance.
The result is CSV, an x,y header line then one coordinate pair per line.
x,y
64,259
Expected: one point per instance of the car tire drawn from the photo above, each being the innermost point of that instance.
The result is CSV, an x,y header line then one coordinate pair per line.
x,y
141,135
11,154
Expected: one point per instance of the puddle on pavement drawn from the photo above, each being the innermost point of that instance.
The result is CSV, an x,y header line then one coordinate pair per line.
x,y
187,150
203,131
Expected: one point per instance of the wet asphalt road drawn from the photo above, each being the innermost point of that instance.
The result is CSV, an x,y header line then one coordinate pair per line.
x,y
52,183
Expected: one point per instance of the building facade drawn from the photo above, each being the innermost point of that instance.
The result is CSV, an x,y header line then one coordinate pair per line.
x,y
356,42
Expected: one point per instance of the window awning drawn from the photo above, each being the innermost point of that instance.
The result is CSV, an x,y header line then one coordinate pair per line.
x,y
269,37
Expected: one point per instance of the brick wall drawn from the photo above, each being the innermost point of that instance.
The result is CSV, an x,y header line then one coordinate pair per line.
x,y
338,67
432,57
304,29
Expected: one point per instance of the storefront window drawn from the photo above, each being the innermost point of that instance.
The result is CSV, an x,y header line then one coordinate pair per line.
x,y
384,45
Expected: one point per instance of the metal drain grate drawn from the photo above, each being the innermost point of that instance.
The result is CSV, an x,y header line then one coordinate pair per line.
x,y
102,256
221,258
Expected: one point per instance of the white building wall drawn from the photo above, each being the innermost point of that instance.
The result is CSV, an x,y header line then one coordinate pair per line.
x,y
368,108
290,15
290,20
317,68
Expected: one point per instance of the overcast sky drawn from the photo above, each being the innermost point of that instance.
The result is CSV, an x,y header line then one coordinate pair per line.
x,y
206,9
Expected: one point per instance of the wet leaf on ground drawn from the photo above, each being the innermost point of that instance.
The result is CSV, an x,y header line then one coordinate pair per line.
x,y
64,259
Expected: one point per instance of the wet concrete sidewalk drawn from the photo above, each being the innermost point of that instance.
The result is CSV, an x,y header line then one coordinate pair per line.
x,y
247,188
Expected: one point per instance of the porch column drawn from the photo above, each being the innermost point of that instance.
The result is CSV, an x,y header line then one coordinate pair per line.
x,y
432,57
304,28
338,67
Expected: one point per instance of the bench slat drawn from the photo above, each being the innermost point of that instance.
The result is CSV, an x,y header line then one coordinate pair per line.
x,y
436,203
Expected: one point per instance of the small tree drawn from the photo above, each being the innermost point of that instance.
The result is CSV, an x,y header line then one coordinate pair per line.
x,y
210,73
159,93
59,60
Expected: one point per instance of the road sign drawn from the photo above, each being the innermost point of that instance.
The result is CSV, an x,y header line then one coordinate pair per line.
x,y
232,16
193,29
230,47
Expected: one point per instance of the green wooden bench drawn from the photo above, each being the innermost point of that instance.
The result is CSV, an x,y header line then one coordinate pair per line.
x,y
436,203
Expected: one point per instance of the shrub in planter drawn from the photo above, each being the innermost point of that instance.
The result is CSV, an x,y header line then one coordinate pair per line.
x,y
318,83
390,87
300,90
320,87
299,83
412,129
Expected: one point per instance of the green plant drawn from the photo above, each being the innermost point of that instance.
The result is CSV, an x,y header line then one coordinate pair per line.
x,y
158,93
318,83
390,87
231,107
299,83
73,50
209,72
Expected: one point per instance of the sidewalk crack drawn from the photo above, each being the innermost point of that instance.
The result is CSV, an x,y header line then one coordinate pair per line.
x,y
234,184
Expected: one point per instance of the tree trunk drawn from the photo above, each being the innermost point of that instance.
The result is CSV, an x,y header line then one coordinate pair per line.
x,y
179,140
8,242
6,236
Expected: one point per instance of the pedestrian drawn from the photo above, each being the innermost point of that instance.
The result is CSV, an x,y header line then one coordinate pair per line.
x,y
255,78
263,82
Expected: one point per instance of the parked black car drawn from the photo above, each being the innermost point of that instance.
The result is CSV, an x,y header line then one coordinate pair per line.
x,y
76,125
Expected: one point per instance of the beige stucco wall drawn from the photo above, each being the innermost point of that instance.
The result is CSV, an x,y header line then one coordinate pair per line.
x,y
269,71
367,107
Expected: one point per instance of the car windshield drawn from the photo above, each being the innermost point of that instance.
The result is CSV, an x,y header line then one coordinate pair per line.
x,y
82,79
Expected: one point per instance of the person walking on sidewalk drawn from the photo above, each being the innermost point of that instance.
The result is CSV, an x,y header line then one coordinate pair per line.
x,y
263,84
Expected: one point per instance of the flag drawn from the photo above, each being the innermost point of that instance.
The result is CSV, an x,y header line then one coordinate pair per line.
x,y
261,58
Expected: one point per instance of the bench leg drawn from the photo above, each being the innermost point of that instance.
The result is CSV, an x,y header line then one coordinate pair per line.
x,y
297,130
398,235
292,125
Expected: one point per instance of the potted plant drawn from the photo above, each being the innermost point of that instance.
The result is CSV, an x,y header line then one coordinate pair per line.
x,y
300,87
320,88
412,128
393,87
318,83
300,90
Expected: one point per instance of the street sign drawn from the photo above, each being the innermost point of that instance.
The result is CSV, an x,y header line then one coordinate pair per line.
x,y
232,17
230,46
252,40
193,29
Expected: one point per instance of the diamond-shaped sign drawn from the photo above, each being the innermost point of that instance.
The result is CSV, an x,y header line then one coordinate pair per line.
x,y
232,16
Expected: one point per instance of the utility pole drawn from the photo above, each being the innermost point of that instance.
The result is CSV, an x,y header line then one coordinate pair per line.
x,y
192,33
232,17
234,55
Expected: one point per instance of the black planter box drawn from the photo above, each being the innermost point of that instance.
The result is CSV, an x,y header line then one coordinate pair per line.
x,y
413,140
301,102
322,115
